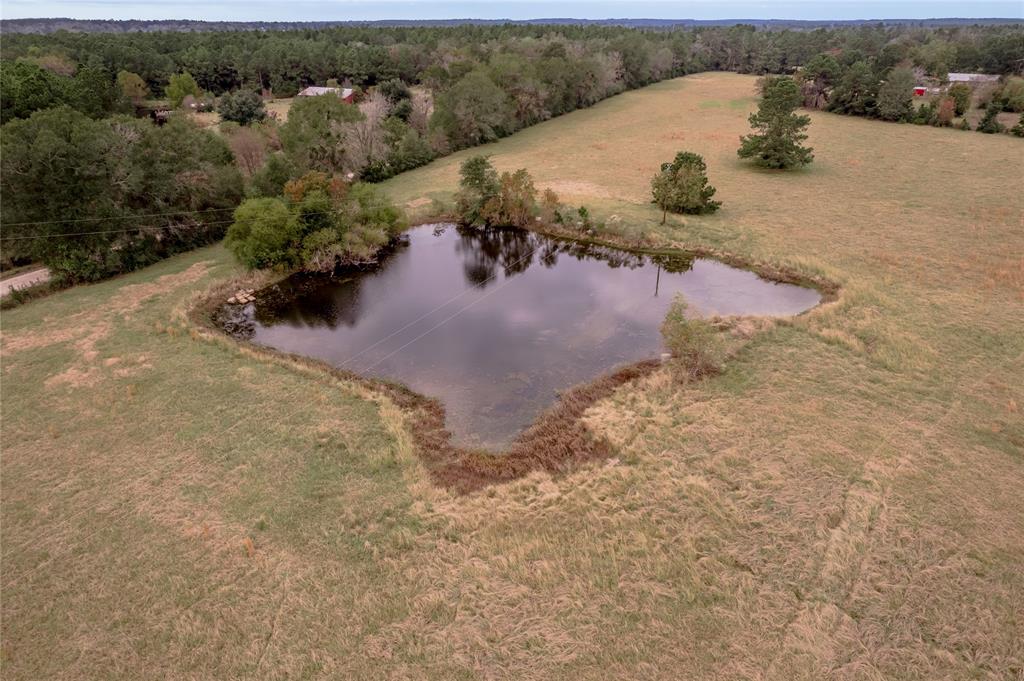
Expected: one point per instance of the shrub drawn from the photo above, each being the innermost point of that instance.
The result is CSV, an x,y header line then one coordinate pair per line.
x,y
961,94
682,186
1011,94
693,342
507,200
947,111
990,124
1018,130
271,179
515,203
263,234
321,223
926,114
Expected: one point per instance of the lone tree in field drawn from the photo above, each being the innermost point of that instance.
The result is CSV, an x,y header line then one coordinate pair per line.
x,y
682,186
778,131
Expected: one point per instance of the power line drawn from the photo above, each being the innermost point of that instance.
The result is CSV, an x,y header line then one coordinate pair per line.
x,y
444,321
427,314
121,217
107,231
132,229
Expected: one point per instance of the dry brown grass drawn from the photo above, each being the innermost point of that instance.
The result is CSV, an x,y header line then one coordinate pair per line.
x,y
842,502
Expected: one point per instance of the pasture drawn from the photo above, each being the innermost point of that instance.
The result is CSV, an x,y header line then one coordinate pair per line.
x,y
842,502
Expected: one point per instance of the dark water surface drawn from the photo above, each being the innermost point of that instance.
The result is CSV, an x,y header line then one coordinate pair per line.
x,y
494,322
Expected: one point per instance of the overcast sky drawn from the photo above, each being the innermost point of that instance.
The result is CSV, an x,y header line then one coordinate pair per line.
x,y
337,10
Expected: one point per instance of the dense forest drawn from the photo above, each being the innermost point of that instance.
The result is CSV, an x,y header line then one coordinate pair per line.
x,y
75,149
285,61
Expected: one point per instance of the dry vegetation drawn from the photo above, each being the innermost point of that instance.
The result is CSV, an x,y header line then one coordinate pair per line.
x,y
842,501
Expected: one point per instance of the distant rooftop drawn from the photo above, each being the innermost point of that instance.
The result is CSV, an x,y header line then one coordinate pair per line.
x,y
314,91
972,78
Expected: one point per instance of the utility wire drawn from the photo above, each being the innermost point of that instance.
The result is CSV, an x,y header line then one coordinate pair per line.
x,y
439,307
122,217
106,231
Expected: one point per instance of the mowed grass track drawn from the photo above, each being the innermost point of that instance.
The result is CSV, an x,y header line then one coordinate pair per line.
x,y
843,502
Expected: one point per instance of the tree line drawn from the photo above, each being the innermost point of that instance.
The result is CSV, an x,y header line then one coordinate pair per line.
x,y
425,92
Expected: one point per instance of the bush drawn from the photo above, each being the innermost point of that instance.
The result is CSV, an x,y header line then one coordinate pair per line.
x,y
946,112
1011,94
507,200
990,124
1018,130
926,114
321,223
272,177
682,186
961,94
694,344
242,107
263,234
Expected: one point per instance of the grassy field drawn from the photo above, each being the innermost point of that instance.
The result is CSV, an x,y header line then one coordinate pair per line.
x,y
275,107
844,502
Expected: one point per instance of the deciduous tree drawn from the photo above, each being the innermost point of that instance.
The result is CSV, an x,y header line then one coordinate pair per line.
x,y
895,96
682,186
961,94
315,136
243,107
180,86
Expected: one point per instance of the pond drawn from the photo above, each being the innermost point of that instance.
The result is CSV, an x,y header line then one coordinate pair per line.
x,y
495,322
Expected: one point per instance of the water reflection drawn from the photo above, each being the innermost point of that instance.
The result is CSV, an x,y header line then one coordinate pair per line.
x,y
494,322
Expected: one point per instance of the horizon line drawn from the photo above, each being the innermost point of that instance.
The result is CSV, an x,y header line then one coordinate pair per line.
x,y
509,20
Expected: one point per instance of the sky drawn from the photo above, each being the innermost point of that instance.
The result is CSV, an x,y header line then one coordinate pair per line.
x,y
362,10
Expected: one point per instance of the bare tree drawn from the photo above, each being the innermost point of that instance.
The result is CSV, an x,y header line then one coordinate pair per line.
x,y
609,73
249,150
422,108
366,142
662,62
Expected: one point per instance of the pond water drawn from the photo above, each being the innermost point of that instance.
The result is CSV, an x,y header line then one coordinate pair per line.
x,y
495,322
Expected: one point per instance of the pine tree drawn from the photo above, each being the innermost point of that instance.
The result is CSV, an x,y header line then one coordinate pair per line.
x,y
779,131
989,124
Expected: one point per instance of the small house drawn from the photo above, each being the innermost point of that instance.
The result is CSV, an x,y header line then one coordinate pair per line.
x,y
344,94
920,90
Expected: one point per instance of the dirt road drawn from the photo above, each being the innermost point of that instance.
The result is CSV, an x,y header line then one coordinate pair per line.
x,y
24,280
